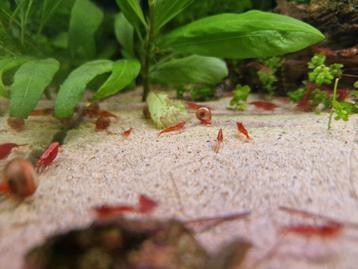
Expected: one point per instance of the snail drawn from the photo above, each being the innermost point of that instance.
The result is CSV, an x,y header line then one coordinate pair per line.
x,y
19,179
204,115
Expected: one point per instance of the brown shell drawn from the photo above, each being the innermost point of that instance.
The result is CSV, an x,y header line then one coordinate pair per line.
x,y
203,114
21,177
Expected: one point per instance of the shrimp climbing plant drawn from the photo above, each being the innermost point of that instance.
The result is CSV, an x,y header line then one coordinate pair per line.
x,y
190,54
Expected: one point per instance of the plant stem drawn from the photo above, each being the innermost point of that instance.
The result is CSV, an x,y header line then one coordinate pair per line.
x,y
333,100
145,73
24,20
147,57
69,125
60,135
49,13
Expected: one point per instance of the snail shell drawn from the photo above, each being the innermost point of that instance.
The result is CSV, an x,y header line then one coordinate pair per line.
x,y
21,177
203,114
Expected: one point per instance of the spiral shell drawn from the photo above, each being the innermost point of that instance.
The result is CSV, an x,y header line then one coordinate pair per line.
x,y
21,177
203,114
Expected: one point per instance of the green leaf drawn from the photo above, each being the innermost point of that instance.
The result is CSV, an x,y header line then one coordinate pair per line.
x,y
316,61
336,70
124,32
192,69
73,88
254,34
6,65
165,10
86,19
60,41
202,94
343,110
123,73
321,75
296,95
320,97
30,81
164,111
355,85
133,12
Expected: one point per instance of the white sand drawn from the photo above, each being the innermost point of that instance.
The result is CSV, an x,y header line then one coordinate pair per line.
x,y
293,161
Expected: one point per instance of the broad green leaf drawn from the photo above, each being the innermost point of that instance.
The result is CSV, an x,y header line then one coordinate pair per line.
x,y
73,88
123,73
192,69
85,20
254,34
165,10
6,65
133,12
124,32
164,111
30,81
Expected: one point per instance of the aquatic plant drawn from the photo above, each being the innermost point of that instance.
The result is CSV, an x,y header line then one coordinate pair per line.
x,y
190,54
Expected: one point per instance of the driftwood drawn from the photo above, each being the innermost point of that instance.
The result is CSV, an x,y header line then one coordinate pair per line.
x,y
338,20
293,71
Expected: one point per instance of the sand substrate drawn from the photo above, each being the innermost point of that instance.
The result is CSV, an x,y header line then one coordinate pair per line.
x,y
292,161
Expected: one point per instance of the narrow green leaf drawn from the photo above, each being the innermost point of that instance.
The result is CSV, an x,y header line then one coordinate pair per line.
x,y
164,111
133,12
165,10
124,32
85,20
123,73
6,65
30,81
192,69
238,36
73,88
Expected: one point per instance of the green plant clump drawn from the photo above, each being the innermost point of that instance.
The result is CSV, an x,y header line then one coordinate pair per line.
x,y
355,92
297,95
320,75
190,54
267,75
239,100
342,110
355,85
202,93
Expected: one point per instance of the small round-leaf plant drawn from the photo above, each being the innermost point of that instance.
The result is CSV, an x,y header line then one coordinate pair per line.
x,y
320,80
267,74
355,92
189,54
341,109
239,99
